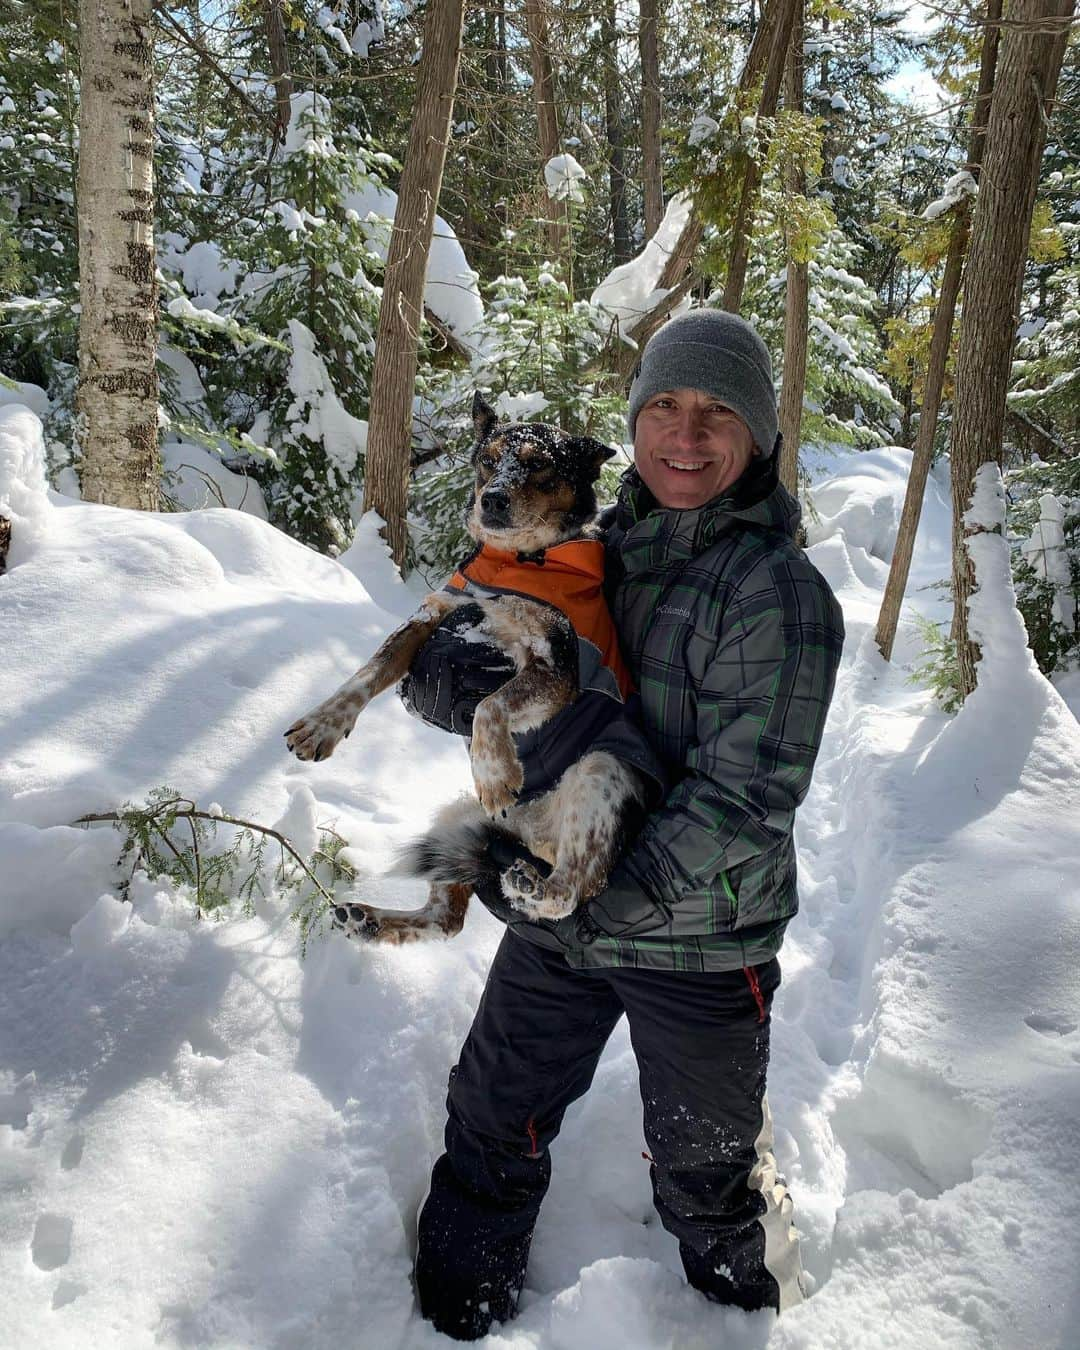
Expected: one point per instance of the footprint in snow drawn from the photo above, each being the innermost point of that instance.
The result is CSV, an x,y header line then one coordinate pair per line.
x,y
1050,1026
73,1151
51,1245
67,1291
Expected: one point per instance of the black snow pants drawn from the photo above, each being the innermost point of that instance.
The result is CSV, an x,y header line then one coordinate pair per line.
x,y
702,1045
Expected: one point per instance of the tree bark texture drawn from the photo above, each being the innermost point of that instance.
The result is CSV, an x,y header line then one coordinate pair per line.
x,y
386,474
547,117
613,117
1032,46
944,316
278,51
118,388
797,298
652,178
742,228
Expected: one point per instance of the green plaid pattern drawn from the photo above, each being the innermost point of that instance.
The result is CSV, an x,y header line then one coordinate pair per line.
x,y
734,639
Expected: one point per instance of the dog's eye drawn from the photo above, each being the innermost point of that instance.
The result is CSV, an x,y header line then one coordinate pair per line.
x,y
543,480
486,463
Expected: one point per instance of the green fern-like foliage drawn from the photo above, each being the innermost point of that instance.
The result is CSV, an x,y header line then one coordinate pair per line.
x,y
939,669
222,861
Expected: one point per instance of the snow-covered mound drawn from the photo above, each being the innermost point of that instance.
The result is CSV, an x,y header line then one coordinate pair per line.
x,y
207,1141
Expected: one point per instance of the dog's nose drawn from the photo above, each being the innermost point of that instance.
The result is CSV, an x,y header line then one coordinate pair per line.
x,y
496,504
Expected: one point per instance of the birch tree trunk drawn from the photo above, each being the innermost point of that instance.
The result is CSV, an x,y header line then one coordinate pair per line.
x,y
547,120
944,316
386,473
797,306
117,398
1034,34
652,178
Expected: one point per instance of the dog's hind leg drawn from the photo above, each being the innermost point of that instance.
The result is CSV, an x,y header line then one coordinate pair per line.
x,y
317,733
442,916
589,815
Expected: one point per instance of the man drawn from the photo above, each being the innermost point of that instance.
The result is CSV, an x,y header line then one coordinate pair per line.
x,y
733,639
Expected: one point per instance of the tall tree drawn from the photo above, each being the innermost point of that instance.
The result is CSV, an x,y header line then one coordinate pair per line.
x,y
676,279
1033,43
547,119
118,388
273,18
797,299
753,168
944,316
652,180
616,136
386,477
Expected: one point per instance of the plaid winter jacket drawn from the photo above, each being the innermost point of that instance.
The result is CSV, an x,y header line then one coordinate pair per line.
x,y
733,639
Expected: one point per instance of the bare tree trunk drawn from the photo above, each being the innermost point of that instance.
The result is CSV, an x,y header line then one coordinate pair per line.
x,y
5,542
547,120
118,388
1032,47
278,51
797,306
673,278
386,473
944,316
202,74
742,228
652,177
613,118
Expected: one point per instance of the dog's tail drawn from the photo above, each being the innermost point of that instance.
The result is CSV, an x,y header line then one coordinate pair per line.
x,y
455,854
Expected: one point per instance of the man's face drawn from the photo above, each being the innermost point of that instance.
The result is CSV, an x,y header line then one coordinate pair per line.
x,y
689,448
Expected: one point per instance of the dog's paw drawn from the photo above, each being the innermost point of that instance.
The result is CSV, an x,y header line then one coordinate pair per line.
x,y
318,734
357,921
496,795
531,895
497,772
498,779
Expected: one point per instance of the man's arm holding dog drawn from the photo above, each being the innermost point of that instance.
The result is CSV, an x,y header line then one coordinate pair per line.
x,y
760,717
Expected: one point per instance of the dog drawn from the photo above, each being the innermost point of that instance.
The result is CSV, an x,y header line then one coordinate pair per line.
x,y
532,514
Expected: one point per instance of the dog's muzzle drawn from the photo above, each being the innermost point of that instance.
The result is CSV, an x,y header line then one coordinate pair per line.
x,y
495,507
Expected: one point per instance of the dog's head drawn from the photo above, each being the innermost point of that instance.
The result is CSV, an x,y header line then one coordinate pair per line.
x,y
534,484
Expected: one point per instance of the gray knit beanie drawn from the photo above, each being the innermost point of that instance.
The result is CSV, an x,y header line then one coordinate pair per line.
x,y
717,352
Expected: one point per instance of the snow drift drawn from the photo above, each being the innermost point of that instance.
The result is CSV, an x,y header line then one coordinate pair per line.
x,y
206,1141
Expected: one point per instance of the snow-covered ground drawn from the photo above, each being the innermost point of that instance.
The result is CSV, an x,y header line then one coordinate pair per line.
x,y
207,1141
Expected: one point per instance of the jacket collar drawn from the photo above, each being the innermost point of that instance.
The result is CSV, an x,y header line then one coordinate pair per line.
x,y
656,536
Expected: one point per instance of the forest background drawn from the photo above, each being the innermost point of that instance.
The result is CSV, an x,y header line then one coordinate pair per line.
x,y
605,164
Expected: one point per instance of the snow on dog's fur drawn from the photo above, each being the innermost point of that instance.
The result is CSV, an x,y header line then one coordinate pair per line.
x,y
534,490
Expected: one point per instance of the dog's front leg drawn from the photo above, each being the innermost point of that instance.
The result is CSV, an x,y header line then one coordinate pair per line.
x,y
533,696
316,735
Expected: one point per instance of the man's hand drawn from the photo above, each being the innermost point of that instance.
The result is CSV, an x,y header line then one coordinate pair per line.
x,y
453,672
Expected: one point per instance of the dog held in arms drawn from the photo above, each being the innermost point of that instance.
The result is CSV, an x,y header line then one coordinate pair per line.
x,y
534,494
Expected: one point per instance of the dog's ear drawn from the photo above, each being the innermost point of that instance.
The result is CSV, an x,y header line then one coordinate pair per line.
x,y
484,417
593,454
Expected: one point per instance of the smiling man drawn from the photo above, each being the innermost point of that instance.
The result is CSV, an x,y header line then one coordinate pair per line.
x,y
733,639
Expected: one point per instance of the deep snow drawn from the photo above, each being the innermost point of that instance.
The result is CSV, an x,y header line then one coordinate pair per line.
x,y
205,1141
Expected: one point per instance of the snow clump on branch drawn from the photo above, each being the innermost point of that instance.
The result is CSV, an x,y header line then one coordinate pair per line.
x,y
562,175
960,185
